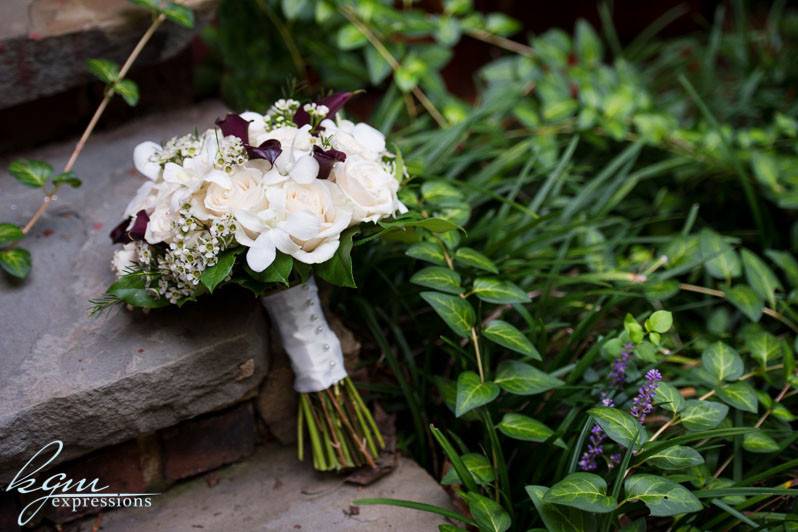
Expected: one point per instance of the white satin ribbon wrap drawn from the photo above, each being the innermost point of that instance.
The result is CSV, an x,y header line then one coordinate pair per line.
x,y
313,347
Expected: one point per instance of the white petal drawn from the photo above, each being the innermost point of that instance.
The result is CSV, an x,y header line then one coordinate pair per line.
x,y
322,253
262,253
305,170
302,225
250,221
369,138
141,159
220,178
284,243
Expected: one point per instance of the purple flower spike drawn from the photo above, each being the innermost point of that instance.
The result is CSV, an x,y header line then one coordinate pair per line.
x,y
595,446
326,160
122,235
234,125
642,403
618,372
333,102
269,150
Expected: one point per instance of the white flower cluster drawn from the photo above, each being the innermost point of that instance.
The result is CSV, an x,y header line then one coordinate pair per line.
x,y
205,193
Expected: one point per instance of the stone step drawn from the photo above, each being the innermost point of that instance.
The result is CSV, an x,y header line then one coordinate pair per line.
x,y
92,382
272,491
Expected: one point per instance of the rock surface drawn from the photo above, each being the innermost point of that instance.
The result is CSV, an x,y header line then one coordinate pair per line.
x,y
92,382
272,491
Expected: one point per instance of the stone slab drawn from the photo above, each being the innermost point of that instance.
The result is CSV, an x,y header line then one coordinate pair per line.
x,y
92,382
272,491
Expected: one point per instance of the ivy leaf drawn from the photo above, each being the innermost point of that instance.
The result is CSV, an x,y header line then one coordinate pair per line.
x,y
583,491
663,497
676,458
128,90
559,518
213,276
620,427
475,259
763,346
525,428
471,393
488,514
67,178
103,69
722,362
660,322
746,300
507,335
519,378
455,311
739,395
703,415
761,277
338,270
10,233
438,278
16,262
721,261
477,464
668,397
759,442
428,252
31,173
497,291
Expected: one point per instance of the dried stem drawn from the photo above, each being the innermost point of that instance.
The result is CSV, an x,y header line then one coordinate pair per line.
x,y
501,42
109,93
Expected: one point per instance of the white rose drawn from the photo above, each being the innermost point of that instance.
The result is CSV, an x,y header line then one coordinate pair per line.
x,y
159,228
310,219
290,138
369,189
355,140
145,199
241,190
124,259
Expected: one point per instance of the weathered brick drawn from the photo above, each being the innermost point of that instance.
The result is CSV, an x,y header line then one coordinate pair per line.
x,y
207,442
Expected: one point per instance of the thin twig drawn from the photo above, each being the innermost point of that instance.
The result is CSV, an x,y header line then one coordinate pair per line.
x,y
109,93
501,42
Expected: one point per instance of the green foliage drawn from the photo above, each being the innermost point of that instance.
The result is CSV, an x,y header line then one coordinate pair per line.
x,y
16,262
31,173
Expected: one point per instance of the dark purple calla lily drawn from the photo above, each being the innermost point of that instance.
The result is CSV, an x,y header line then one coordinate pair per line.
x,y
234,125
326,160
269,150
121,234
333,102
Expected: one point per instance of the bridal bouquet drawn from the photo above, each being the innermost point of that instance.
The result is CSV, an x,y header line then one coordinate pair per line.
x,y
266,201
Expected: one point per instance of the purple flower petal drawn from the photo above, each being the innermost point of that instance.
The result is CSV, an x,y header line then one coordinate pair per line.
x,y
234,125
122,235
269,150
333,102
326,160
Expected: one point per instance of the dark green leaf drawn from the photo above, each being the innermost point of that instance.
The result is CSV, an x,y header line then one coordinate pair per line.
x,y
703,415
746,300
178,14
475,259
519,378
787,263
722,362
676,458
759,442
277,272
16,262
721,261
213,276
619,426
760,277
131,289
584,491
668,397
559,518
525,428
455,311
438,278
31,173
488,514
663,497
349,38
338,270
128,90
497,291
67,178
10,233
479,466
471,393
428,252
740,395
105,70
763,346
507,335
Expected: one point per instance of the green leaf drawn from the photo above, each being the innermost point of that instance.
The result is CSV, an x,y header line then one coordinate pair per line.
x,y
760,442
436,225
180,15
131,289
471,393
378,67
349,38
501,24
722,362
746,300
488,514
584,491
455,311
619,426
588,45
105,70
449,31
475,259
524,428
663,497
507,335
660,322
128,90
338,270
67,178
761,277
668,397
438,278
10,233
739,395
439,190
676,458
703,415
519,378
787,263
763,346
479,466
213,276
559,518
31,173
277,272
16,262
497,291
428,252
721,261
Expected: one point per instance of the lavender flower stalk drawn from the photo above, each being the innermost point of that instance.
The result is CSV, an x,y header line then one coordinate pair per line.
x,y
642,403
618,371
595,447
